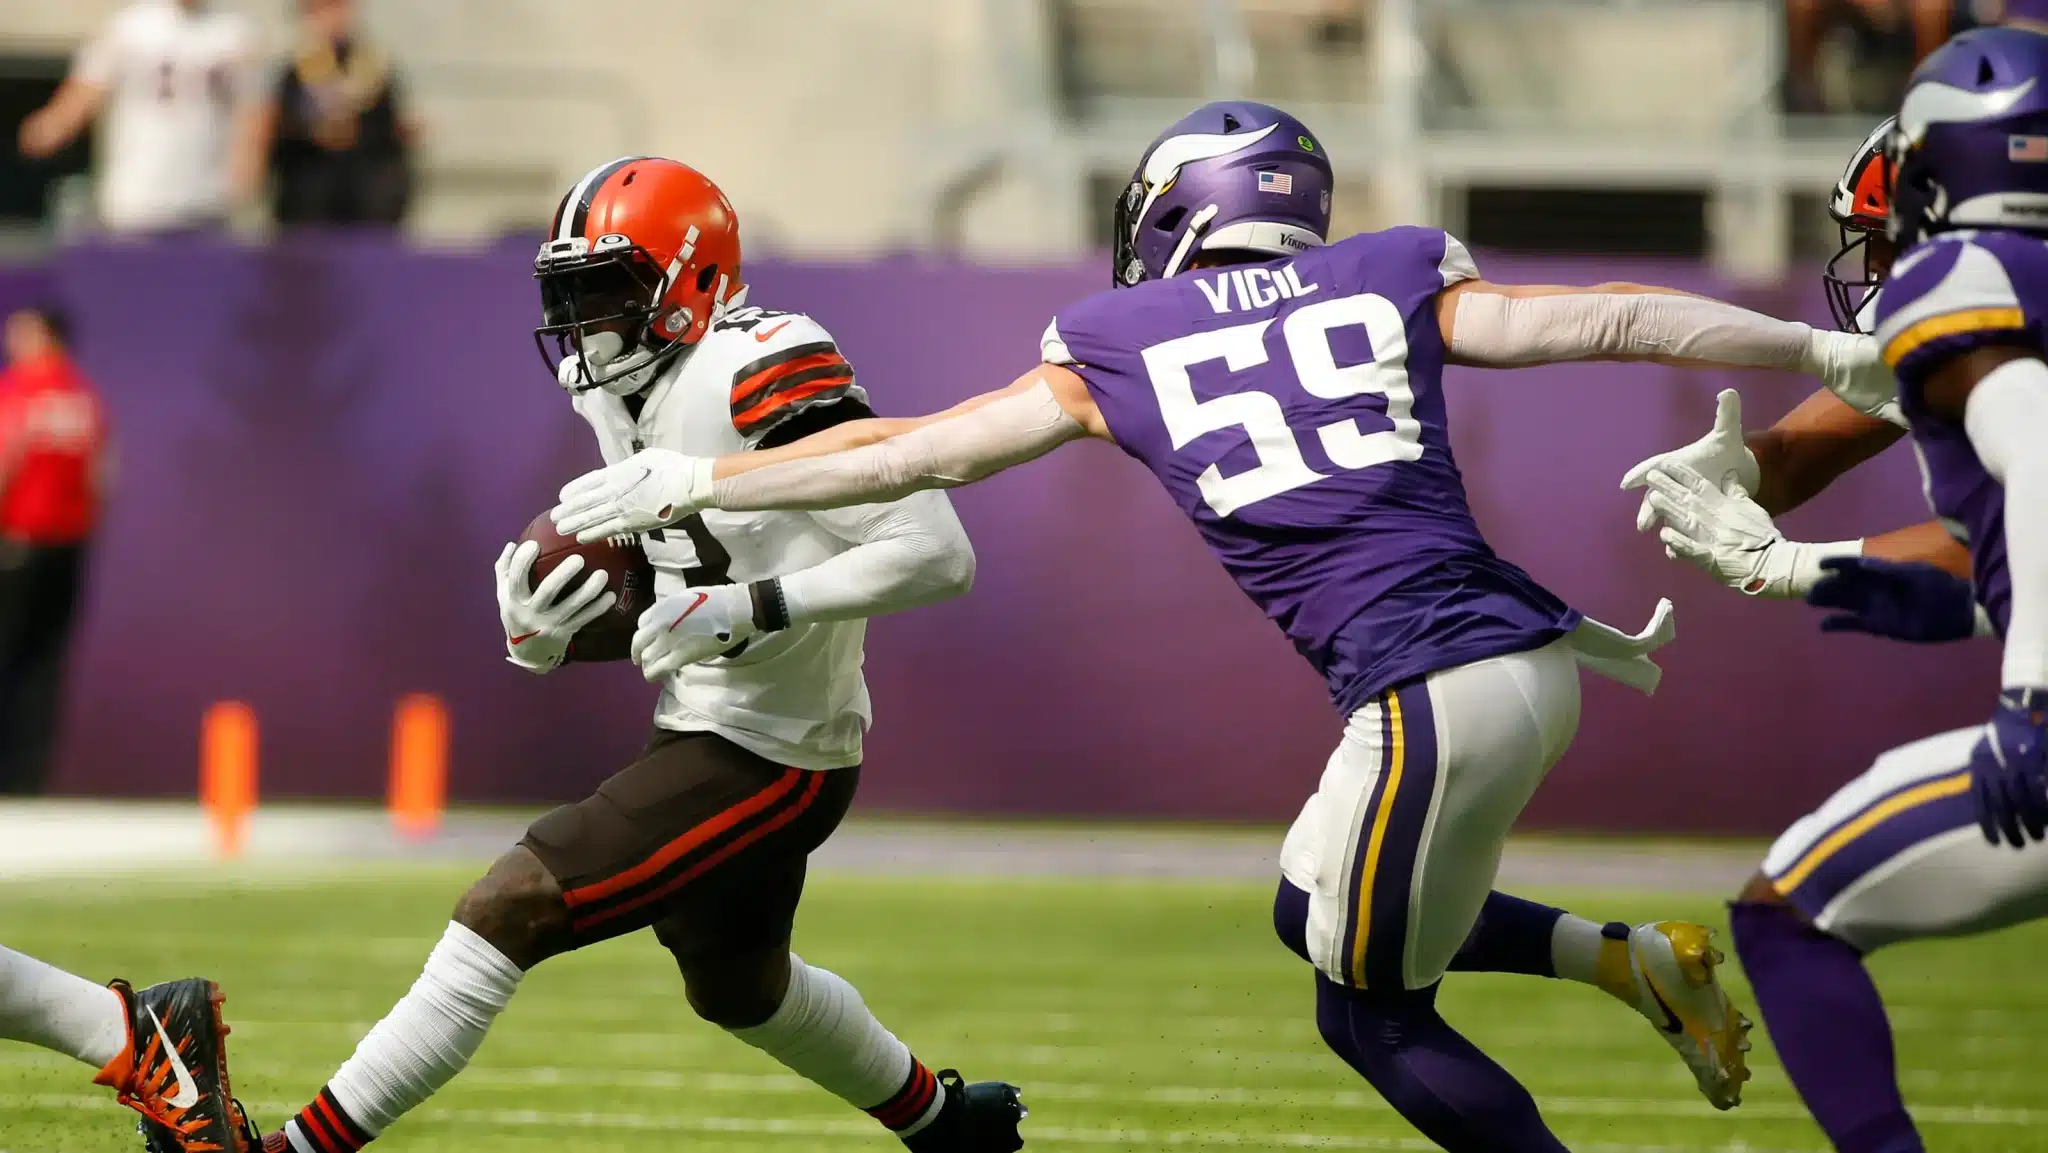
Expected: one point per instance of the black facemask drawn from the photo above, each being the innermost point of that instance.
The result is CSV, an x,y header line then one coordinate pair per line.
x,y
1125,268
615,293
1854,274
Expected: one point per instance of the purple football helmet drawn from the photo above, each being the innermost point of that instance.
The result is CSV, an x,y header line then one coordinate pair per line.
x,y
1231,175
1971,149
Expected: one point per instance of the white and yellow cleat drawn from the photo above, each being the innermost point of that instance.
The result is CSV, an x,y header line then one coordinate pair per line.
x,y
1671,979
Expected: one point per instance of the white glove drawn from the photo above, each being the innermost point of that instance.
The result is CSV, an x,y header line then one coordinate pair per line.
x,y
539,623
697,625
652,488
1852,367
1721,455
1731,538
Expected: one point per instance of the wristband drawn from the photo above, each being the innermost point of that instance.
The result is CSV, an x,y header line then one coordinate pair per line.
x,y
771,608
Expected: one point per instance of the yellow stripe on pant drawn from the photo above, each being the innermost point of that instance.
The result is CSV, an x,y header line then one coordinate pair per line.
x,y
1891,806
1361,889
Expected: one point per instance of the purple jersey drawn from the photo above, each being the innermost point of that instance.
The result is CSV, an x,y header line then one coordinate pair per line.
x,y
1946,296
1295,412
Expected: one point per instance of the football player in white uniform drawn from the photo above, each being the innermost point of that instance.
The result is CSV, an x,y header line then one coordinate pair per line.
x,y
756,640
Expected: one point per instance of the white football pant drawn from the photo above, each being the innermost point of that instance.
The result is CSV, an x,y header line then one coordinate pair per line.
x,y
1399,846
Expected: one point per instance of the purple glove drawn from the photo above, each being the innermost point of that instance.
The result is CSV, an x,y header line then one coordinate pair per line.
x,y
1906,602
2009,770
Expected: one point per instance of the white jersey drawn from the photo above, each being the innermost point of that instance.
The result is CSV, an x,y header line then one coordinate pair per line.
x,y
795,696
175,78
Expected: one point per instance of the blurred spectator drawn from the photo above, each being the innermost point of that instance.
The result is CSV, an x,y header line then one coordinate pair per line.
x,y
1853,56
1340,25
337,139
52,457
172,75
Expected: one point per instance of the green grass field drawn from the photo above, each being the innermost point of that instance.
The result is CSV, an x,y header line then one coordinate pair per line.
x,y
1137,1015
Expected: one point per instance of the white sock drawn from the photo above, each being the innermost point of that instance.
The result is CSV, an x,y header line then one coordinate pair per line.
x,y
1592,954
824,1033
426,1039
44,1005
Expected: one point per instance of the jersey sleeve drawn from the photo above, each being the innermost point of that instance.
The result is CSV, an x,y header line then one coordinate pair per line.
x,y
98,61
1455,261
1052,347
1944,299
1085,334
790,366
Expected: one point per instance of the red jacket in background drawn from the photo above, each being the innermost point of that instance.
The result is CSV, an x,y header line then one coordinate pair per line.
x,y
52,441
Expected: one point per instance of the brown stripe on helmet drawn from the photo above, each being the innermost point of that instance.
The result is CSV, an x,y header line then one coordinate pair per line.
x,y
555,222
592,190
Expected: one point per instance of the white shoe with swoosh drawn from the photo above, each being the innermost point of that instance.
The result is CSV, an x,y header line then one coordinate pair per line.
x,y
1672,966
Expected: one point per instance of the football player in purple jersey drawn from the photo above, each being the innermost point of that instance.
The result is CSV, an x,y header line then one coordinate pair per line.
x,y
1938,837
1287,392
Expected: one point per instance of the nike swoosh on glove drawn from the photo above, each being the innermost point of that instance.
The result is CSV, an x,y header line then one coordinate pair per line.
x,y
540,622
649,490
1918,603
1721,456
697,625
2009,770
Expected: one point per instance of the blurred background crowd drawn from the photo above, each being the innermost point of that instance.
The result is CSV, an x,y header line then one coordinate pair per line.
x,y
290,240
989,125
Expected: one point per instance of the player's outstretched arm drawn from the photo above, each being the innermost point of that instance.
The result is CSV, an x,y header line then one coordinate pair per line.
x,y
1734,538
849,435
906,554
1902,601
1809,447
1038,412
1783,466
1507,326
1928,543
1731,538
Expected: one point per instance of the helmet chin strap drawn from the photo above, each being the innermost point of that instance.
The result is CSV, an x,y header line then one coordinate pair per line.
x,y
1186,247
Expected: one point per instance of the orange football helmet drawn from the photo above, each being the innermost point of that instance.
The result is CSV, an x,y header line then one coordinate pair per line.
x,y
642,257
1861,205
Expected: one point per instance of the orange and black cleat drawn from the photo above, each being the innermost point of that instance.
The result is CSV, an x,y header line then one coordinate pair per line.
x,y
977,1118
175,1069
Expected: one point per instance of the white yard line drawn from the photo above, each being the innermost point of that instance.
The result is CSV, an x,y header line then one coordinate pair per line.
x,y
1054,1135
1181,1095
291,844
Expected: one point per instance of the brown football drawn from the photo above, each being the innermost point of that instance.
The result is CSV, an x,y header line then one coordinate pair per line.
x,y
627,573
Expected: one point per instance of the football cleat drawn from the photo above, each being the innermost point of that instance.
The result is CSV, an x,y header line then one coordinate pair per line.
x,y
977,1118
1671,968
174,1070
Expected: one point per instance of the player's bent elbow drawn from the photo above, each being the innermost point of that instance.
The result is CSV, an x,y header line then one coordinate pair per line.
x,y
952,569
